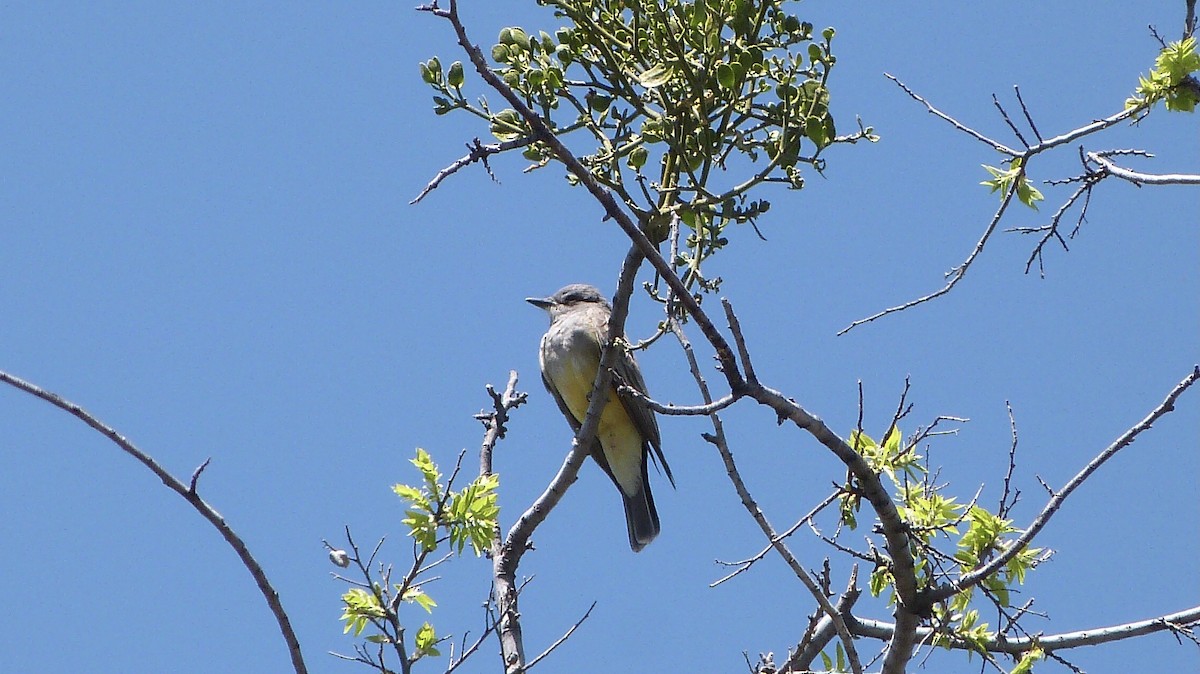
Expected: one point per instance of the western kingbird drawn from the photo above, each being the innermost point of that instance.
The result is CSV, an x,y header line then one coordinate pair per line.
x,y
570,358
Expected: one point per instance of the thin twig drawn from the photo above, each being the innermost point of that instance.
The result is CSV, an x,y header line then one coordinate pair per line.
x,y
478,152
1051,230
1016,158
995,145
1009,122
188,492
955,274
823,630
877,629
745,564
561,639
740,341
196,475
494,421
1025,111
1005,504
1139,178
677,410
1056,501
718,440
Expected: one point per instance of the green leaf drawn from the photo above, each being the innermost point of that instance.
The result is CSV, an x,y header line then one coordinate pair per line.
x,y
1175,63
473,514
881,578
423,528
426,641
514,36
1025,666
359,606
507,125
1028,194
1002,597
849,505
416,596
726,76
652,131
656,76
598,102
455,77
891,443
637,157
1000,179
861,441
1182,100
814,128
441,105
410,494
519,38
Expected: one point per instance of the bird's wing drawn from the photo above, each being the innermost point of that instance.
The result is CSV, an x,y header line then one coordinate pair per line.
x,y
643,417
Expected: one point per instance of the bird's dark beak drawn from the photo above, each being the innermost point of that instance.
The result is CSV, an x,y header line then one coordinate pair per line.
x,y
540,302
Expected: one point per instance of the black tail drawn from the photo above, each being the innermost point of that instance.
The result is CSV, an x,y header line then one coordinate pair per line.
x,y
640,517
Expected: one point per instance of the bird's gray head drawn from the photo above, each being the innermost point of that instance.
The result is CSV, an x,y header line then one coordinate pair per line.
x,y
568,298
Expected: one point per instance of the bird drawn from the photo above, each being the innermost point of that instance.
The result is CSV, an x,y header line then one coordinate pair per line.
x,y
627,432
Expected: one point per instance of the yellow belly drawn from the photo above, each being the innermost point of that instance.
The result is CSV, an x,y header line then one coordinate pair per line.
x,y
619,438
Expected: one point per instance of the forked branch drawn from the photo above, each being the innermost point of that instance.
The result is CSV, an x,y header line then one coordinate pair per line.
x,y
189,494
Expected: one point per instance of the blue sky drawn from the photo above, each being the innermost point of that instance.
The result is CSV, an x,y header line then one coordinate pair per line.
x,y
207,242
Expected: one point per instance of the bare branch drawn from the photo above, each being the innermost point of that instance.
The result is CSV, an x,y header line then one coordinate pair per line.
x,y
745,564
823,631
1016,158
776,540
1051,230
561,639
489,626
1056,501
718,440
736,328
1012,127
677,410
1025,111
188,492
1087,129
1139,178
876,629
478,152
1005,504
955,275
494,421
911,606
995,145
